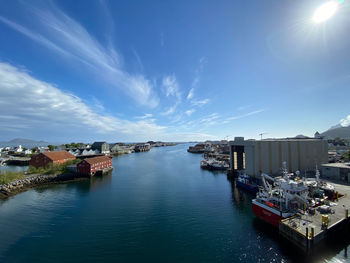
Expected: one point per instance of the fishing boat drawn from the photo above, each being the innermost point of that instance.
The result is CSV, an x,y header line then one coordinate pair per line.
x,y
245,182
213,164
281,200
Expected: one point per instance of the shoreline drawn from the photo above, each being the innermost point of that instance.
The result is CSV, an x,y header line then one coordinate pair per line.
x,y
31,181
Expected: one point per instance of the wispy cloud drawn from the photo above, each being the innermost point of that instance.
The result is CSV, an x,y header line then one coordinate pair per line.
x,y
195,84
199,102
229,119
210,119
42,106
146,116
241,108
189,112
345,122
170,110
171,87
190,94
62,34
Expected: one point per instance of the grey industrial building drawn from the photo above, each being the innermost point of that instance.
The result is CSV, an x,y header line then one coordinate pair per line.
x,y
267,156
336,171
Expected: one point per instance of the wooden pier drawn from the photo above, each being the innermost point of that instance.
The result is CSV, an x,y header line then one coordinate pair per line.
x,y
308,230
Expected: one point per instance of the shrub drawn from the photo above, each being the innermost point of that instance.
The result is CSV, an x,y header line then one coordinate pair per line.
x,y
7,177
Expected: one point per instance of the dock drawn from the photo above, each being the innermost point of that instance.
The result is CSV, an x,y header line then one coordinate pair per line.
x,y
308,230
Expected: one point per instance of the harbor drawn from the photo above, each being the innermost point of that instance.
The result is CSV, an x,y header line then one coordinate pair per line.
x,y
309,230
307,211
146,198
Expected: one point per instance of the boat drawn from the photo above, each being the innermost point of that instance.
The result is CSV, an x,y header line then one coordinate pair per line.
x,y
245,182
213,164
204,164
283,199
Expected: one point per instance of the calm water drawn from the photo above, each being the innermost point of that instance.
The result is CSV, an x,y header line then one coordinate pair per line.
x,y
156,206
13,168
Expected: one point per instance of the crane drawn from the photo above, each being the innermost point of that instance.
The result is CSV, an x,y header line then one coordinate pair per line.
x,y
261,134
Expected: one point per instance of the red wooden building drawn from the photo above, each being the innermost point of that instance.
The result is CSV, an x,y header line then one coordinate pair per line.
x,y
46,158
96,164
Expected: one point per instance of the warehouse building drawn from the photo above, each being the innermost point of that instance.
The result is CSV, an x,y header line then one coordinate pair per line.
x,y
336,171
91,166
267,156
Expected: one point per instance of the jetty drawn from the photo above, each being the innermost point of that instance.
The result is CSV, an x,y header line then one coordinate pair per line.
x,y
308,230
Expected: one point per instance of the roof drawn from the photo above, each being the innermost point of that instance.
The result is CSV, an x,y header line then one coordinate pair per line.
x,y
97,159
337,165
97,144
58,155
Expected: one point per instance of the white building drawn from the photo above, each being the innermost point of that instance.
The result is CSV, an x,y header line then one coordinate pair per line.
x,y
28,151
18,149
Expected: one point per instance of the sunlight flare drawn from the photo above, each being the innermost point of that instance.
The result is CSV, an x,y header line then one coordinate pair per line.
x,y
325,11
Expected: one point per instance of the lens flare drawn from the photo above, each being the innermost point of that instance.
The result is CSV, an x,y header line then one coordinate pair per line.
x,y
325,11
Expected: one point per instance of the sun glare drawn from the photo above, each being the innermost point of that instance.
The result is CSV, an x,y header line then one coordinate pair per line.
x,y
325,11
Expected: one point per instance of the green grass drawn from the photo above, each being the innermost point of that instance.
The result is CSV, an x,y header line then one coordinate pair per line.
x,y
7,177
52,169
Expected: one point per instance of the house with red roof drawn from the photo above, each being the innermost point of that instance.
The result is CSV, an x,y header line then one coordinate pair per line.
x,y
50,158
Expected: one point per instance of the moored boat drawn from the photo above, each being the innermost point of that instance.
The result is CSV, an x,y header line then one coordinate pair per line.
x,y
282,200
245,182
213,164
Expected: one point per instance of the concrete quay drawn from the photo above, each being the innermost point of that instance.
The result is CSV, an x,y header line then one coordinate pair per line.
x,y
307,231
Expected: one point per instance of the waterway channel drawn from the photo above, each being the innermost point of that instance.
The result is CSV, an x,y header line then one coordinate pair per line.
x,y
156,206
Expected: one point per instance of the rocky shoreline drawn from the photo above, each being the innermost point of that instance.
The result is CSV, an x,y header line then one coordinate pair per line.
x,y
17,186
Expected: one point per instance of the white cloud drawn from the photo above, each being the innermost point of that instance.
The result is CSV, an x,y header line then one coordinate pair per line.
x,y
185,137
28,104
190,94
146,116
170,111
62,34
199,102
241,108
345,122
210,120
229,119
189,112
195,83
171,87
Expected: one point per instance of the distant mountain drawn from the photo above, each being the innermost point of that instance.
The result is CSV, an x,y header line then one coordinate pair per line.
x,y
24,142
341,132
335,127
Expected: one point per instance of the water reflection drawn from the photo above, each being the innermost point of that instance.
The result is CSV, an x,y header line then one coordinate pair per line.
x,y
240,198
82,185
13,168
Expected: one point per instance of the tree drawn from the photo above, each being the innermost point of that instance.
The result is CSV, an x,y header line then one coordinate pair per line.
x,y
35,149
51,147
347,155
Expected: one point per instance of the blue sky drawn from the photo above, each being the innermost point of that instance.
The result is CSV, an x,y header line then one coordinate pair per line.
x,y
171,70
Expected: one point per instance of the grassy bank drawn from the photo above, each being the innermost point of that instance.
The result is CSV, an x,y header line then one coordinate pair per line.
x,y
7,177
52,169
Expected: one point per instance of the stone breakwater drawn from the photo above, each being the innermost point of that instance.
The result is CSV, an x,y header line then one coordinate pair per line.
x,y
20,185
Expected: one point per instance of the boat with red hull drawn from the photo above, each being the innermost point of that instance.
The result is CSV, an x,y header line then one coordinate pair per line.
x,y
269,213
282,200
